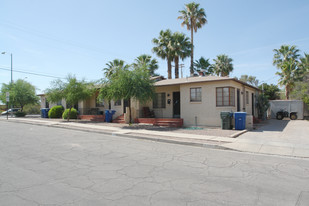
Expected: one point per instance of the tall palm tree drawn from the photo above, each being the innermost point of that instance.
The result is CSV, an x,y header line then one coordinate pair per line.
x,y
284,54
288,76
250,80
194,18
304,63
114,66
203,65
162,49
285,59
181,49
223,65
150,63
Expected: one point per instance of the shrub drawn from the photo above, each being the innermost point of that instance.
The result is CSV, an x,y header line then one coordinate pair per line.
x,y
73,114
20,114
56,112
32,109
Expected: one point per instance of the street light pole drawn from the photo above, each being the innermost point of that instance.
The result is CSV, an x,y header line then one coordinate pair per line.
x,y
11,81
11,78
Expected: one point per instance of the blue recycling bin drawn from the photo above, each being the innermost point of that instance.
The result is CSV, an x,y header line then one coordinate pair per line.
x,y
240,120
107,116
44,112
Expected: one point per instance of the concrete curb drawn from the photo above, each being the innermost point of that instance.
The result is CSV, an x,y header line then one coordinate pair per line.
x,y
239,133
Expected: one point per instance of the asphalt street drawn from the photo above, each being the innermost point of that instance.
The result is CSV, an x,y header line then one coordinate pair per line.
x,y
42,165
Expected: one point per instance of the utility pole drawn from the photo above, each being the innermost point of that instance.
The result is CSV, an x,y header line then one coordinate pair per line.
x,y
181,66
11,78
11,81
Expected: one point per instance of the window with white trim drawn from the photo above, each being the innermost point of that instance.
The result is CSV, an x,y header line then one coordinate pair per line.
x,y
225,96
117,102
159,100
196,94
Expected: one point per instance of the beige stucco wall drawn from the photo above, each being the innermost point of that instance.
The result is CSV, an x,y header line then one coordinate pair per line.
x,y
51,104
43,101
248,107
118,109
85,105
206,113
166,112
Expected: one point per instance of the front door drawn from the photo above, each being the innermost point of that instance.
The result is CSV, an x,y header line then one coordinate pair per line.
x,y
176,104
238,100
252,98
125,104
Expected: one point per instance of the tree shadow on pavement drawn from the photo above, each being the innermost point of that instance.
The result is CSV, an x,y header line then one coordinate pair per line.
x,y
151,127
272,125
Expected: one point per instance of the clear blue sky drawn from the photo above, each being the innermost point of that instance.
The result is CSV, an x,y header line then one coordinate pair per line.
x,y
79,37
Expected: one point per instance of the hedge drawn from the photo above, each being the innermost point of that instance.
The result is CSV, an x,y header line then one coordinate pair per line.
x,y
20,114
73,114
56,112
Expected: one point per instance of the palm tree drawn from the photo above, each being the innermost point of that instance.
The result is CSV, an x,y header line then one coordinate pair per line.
x,y
194,18
151,64
249,80
223,65
284,54
181,48
203,65
288,75
114,66
304,63
286,59
162,49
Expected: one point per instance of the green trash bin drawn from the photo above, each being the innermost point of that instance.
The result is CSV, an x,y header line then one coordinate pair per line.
x,y
226,120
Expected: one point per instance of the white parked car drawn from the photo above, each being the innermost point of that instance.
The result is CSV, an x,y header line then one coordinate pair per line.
x,y
9,111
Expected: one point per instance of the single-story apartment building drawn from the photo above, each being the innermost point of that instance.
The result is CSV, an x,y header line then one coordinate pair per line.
x,y
196,101
200,100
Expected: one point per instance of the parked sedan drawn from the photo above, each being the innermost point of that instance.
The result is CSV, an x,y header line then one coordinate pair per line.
x,y
9,111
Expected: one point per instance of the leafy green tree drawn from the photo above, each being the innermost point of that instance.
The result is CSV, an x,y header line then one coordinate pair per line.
x,y
150,63
252,80
114,66
262,105
271,91
163,50
223,65
127,84
203,65
181,48
301,90
194,18
72,90
21,93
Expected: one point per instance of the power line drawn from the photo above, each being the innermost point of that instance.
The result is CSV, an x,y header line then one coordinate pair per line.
x,y
32,73
38,74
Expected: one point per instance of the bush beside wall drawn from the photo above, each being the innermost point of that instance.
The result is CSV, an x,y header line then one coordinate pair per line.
x,y
32,109
56,112
73,114
20,114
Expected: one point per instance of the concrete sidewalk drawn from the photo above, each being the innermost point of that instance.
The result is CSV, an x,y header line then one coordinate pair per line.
x,y
285,137
288,138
